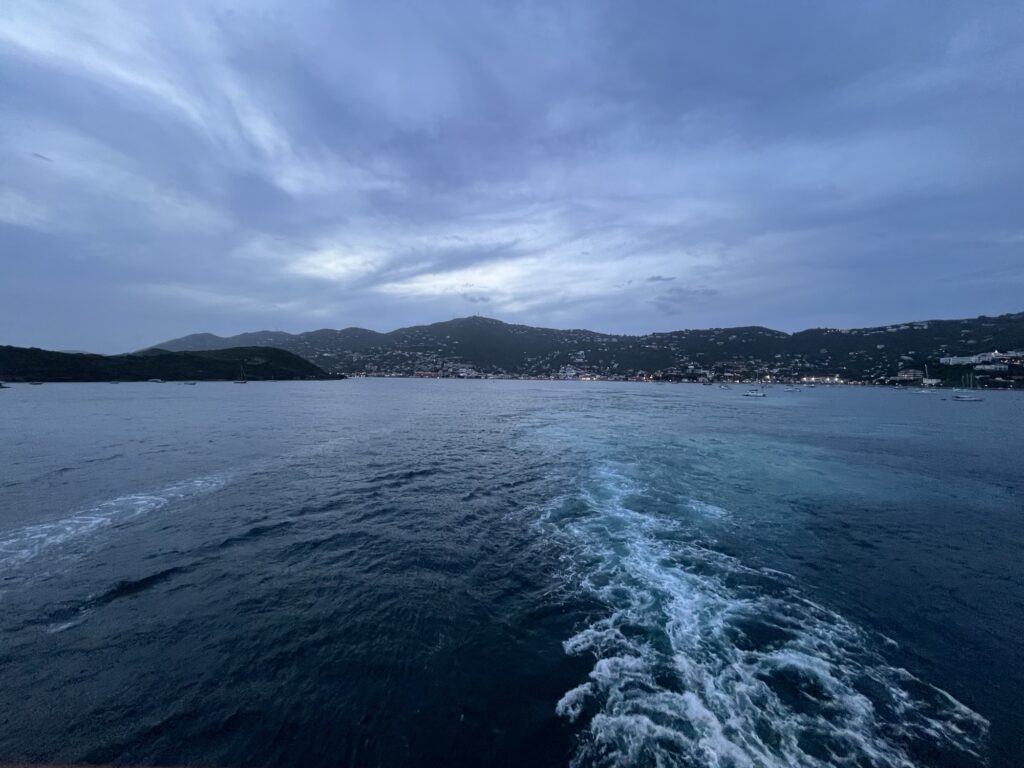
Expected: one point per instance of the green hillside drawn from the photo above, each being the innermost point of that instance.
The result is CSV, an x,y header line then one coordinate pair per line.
x,y
258,363
493,347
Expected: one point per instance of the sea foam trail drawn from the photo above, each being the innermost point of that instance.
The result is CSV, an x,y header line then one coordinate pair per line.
x,y
701,661
24,544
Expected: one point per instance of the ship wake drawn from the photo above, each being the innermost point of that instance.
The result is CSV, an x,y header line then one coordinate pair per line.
x,y
700,660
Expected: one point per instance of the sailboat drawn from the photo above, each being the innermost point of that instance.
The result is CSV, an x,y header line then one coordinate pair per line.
x,y
755,392
967,395
925,388
241,376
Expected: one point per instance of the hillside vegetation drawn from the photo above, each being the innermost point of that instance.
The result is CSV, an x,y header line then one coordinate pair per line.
x,y
31,364
493,347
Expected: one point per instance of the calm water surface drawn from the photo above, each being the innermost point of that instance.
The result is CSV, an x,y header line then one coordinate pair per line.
x,y
480,573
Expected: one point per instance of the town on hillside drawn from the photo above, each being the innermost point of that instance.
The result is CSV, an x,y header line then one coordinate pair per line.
x,y
979,352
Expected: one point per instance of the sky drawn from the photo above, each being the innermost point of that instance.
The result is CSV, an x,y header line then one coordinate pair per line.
x,y
171,168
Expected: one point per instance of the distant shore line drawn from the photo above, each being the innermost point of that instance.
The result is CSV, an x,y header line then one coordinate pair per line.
x,y
738,385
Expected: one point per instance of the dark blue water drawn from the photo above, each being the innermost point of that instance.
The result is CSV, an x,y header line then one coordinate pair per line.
x,y
478,573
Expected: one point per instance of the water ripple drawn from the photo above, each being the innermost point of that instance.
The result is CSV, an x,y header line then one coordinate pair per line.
x,y
701,661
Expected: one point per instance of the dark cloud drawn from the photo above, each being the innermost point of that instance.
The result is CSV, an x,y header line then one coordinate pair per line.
x,y
677,300
166,169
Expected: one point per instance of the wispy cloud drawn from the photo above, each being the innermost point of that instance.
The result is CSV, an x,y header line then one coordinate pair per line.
x,y
580,163
19,211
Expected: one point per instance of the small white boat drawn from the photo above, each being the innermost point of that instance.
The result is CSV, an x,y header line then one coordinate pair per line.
x,y
754,393
791,389
724,386
967,399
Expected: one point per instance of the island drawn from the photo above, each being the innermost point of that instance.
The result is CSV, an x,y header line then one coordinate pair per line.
x,y
984,350
29,364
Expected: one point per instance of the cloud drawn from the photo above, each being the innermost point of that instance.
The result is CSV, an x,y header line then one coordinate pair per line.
x,y
337,265
578,163
198,296
22,212
674,301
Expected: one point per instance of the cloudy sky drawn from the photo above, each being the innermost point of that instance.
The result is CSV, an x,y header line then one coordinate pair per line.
x,y
167,168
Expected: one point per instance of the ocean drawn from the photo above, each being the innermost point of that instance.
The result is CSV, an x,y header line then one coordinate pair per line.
x,y
394,572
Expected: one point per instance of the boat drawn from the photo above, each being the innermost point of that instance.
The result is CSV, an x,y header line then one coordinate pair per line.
x,y
189,383
3,386
241,376
36,383
155,381
791,389
724,386
967,393
754,393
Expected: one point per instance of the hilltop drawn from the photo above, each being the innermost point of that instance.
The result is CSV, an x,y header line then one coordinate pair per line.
x,y
492,347
31,364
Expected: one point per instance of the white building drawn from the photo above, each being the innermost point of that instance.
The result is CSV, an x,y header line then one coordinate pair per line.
x,y
982,358
964,360
567,372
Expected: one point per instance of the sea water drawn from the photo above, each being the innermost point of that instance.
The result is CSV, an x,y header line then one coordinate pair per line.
x,y
402,572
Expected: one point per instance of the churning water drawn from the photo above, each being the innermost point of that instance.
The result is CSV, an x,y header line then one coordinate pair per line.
x,y
394,572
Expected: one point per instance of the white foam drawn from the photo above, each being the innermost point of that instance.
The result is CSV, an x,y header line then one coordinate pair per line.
x,y
703,661
572,703
23,544
707,510
54,629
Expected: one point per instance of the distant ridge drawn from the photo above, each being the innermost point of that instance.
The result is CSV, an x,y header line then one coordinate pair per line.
x,y
31,364
279,339
492,346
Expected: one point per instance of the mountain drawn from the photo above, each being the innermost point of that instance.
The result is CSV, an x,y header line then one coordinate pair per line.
x,y
492,347
31,364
